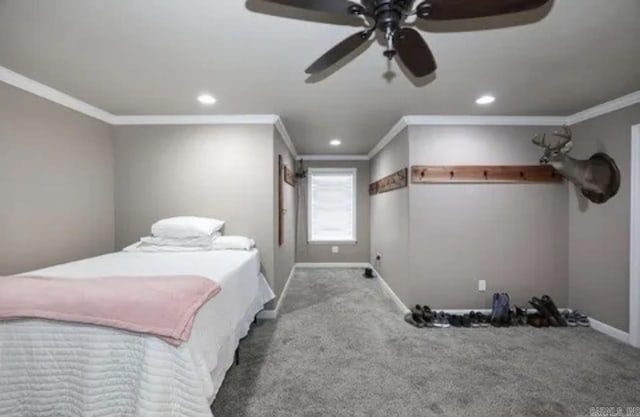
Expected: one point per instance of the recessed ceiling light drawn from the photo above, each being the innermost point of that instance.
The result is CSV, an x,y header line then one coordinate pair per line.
x,y
206,99
335,142
485,100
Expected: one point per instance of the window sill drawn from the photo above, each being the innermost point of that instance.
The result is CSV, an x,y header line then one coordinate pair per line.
x,y
333,242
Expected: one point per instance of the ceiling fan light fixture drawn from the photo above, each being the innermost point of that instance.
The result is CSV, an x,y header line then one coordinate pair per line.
x,y
486,99
335,142
206,99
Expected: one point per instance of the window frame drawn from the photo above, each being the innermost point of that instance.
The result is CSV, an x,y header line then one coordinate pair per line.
x,y
354,177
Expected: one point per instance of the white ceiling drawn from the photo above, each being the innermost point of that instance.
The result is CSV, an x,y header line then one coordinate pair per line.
x,y
155,57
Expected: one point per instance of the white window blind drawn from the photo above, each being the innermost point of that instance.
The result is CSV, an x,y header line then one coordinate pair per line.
x,y
332,205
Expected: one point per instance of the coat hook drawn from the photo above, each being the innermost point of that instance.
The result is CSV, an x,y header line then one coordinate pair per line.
x,y
486,174
451,174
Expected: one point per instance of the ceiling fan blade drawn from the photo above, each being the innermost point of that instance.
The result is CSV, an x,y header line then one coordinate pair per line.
x,y
467,9
414,52
338,52
344,7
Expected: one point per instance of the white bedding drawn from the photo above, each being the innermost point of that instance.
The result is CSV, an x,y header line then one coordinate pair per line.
x,y
50,368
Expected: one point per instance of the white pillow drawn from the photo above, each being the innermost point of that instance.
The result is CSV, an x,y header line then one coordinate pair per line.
x,y
201,241
186,226
233,243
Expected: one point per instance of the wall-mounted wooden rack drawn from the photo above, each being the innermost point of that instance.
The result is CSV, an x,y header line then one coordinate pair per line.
x,y
391,182
289,176
484,174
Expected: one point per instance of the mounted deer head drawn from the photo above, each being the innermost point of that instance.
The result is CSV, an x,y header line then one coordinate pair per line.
x,y
598,177
554,152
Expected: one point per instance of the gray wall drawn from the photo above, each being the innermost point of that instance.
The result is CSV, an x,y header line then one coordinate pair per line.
x,y
514,236
219,171
390,219
599,234
358,252
56,183
285,254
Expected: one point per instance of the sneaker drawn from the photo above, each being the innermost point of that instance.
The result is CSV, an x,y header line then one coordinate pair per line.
x,y
427,316
569,318
482,320
437,319
455,320
521,316
581,319
474,320
445,319
466,320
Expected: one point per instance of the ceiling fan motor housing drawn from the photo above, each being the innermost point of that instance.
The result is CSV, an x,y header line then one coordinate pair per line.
x,y
388,14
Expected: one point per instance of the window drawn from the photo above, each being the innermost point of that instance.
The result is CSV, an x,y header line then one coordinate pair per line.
x,y
332,205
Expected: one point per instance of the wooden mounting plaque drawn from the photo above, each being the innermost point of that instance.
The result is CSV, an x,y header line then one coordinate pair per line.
x,y
484,174
391,182
289,176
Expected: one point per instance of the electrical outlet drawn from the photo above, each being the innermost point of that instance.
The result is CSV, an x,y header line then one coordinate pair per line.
x,y
482,285
335,249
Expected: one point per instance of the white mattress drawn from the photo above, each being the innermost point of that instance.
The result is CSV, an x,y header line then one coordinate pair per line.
x,y
50,368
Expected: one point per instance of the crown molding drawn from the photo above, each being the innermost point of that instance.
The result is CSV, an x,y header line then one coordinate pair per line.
x,y
285,136
195,119
604,108
431,120
330,157
386,139
53,95
484,120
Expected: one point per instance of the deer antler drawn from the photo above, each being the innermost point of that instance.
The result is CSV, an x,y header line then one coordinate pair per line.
x,y
540,141
565,136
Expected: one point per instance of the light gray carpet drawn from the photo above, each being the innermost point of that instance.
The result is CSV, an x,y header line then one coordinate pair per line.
x,y
340,348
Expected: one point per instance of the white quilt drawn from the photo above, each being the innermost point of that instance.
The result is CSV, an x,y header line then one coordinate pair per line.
x,y
53,369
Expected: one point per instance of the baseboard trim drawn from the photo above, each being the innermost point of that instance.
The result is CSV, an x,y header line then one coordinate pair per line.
x,y
268,315
273,314
609,330
387,289
310,265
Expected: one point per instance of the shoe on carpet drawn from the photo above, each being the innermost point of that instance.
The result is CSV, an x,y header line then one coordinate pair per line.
x,y
544,311
411,319
551,306
521,316
442,320
581,319
482,319
455,320
569,318
474,320
534,320
417,315
427,315
466,320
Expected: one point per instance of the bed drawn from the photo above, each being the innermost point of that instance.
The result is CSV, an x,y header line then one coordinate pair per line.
x,y
53,368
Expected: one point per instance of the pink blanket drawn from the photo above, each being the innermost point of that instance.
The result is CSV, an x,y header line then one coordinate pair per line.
x,y
160,306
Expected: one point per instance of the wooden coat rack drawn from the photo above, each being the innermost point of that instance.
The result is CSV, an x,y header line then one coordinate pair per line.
x,y
484,174
391,182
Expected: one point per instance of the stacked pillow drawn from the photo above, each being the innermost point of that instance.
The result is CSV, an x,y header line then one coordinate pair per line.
x,y
189,234
180,234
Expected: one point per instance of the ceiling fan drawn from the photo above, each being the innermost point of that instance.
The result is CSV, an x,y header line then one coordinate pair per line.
x,y
388,16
